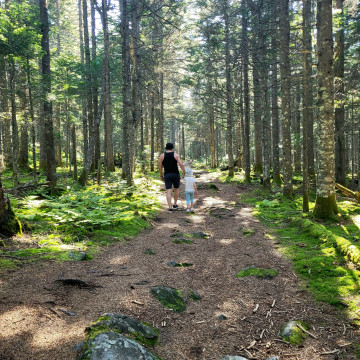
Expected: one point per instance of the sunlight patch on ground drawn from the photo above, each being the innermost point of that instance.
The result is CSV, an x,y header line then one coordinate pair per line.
x,y
213,201
356,220
120,260
46,337
226,241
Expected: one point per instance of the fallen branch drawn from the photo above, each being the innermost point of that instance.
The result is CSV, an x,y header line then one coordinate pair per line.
x,y
306,331
347,192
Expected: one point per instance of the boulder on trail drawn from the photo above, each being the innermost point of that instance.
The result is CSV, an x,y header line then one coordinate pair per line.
x,y
170,298
110,345
124,324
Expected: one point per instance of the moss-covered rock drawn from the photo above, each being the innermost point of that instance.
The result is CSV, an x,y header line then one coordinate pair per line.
x,y
124,324
110,345
292,333
170,298
257,272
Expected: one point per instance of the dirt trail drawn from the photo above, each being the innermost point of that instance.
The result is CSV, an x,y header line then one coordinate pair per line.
x,y
33,324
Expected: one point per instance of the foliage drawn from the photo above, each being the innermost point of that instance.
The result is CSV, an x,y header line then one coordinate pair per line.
x,y
82,219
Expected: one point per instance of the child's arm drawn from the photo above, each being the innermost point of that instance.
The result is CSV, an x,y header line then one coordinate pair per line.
x,y
195,188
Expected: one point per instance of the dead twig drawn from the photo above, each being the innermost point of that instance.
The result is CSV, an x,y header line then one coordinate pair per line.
x,y
306,331
256,308
330,352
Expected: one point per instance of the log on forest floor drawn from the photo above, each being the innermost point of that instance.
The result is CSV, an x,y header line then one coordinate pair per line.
x,y
347,192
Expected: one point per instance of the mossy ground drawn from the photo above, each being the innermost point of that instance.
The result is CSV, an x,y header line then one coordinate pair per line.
x,y
323,254
257,272
82,218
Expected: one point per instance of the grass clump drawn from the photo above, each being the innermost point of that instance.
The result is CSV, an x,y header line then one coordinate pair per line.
x,y
257,272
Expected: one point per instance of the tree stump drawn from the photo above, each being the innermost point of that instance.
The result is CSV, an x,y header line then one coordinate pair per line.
x,y
9,223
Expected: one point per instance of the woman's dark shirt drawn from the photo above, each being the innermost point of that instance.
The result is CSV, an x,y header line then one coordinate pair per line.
x,y
170,164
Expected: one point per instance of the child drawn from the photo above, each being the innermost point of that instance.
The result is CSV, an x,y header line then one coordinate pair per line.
x,y
190,189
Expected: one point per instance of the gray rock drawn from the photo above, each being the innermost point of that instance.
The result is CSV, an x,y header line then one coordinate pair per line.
x,y
274,358
222,317
290,332
170,298
79,346
112,346
126,325
230,357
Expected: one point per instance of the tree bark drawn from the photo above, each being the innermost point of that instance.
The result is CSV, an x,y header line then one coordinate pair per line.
x,y
339,61
307,98
325,204
46,91
274,98
109,160
14,126
246,140
229,99
4,108
285,72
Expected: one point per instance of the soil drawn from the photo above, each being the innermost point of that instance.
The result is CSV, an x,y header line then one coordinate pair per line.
x,y
41,318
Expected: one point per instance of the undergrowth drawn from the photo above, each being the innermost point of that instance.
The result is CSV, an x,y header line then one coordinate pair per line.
x,y
324,255
80,219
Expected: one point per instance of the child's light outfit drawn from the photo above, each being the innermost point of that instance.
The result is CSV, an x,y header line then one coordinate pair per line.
x,y
189,189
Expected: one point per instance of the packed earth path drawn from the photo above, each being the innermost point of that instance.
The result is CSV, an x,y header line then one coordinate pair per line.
x,y
41,318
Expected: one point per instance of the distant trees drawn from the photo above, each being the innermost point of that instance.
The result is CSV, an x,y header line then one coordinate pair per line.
x,y
223,80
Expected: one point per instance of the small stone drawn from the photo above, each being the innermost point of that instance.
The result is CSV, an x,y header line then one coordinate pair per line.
x,y
172,263
150,252
222,317
273,358
195,296
231,357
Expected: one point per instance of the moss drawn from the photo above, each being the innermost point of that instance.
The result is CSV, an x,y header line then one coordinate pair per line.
x,y
183,241
257,272
325,207
170,298
248,232
292,333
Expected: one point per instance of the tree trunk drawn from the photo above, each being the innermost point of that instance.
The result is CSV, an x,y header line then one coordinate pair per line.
x,y
274,98
83,99
109,160
88,72
340,174
325,204
126,86
14,126
9,224
246,139
307,98
4,108
24,134
229,99
285,73
297,126
95,91
32,116
152,131
46,91
211,125
74,161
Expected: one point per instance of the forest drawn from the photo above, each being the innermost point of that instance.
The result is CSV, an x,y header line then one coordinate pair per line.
x,y
260,97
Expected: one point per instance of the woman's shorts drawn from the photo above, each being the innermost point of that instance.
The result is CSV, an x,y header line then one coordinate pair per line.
x,y
172,180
